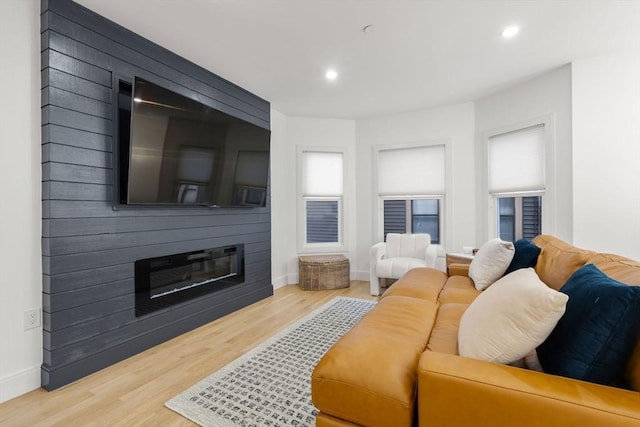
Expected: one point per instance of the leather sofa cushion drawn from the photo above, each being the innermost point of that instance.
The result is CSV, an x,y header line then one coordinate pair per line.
x,y
458,289
444,336
456,391
558,260
617,267
422,283
324,420
369,376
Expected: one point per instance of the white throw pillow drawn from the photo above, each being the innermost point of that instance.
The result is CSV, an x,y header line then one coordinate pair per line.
x,y
490,263
511,318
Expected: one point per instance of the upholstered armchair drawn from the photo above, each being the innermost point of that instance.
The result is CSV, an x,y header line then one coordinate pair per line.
x,y
399,254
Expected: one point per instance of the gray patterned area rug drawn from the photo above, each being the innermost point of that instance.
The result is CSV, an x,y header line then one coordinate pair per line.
x,y
270,385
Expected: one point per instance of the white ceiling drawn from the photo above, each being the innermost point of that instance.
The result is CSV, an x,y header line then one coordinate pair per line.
x,y
420,54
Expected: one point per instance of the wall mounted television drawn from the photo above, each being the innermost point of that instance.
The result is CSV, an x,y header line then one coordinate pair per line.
x,y
174,151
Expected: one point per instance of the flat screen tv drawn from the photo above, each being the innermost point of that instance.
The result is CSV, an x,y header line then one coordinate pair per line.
x,y
174,151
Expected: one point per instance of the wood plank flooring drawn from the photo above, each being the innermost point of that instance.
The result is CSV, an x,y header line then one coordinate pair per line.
x,y
133,392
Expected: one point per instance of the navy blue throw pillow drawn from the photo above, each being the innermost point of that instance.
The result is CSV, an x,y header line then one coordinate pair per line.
x,y
598,331
526,256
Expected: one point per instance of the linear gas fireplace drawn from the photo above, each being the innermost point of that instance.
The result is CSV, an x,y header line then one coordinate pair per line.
x,y
164,281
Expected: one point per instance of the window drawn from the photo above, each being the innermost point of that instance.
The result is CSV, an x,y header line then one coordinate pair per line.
x,y
519,217
412,216
425,217
322,221
516,181
411,186
322,191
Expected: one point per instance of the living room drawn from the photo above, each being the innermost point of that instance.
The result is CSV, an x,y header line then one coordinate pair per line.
x,y
592,194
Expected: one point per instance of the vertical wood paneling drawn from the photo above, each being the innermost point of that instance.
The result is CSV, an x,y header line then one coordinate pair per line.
x,y
89,248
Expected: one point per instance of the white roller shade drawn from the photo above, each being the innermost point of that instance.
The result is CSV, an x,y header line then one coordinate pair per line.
x,y
322,174
516,161
252,168
195,164
411,171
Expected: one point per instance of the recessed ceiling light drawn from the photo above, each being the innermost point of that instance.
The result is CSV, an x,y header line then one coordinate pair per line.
x,y
331,75
510,31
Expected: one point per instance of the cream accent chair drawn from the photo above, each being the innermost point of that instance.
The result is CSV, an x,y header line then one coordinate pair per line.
x,y
399,254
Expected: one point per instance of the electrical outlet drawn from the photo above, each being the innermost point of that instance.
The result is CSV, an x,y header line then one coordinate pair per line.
x,y
31,318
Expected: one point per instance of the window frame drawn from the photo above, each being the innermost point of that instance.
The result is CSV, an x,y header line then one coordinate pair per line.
x,y
323,198
490,204
438,215
301,201
518,222
409,213
446,210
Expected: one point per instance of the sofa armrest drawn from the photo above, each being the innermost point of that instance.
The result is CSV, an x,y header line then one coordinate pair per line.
x,y
458,391
456,269
431,256
376,253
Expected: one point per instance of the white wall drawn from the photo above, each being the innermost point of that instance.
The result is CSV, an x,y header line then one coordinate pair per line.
x,y
549,93
283,205
453,123
288,132
20,195
606,153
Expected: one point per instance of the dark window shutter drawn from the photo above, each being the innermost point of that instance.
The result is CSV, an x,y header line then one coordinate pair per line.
x,y
322,221
531,217
395,217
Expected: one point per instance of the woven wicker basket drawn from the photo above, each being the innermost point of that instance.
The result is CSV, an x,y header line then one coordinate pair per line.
x,y
323,272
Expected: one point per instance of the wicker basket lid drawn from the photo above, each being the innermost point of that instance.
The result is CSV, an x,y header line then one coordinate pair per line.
x,y
322,259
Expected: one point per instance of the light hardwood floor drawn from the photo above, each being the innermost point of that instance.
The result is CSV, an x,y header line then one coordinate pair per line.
x,y
133,392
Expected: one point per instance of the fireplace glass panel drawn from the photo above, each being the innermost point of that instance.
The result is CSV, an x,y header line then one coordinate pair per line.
x,y
168,280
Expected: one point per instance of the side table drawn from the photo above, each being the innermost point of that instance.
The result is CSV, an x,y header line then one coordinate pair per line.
x,y
458,258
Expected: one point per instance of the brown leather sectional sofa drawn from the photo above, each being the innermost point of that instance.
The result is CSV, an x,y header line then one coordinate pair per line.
x,y
399,366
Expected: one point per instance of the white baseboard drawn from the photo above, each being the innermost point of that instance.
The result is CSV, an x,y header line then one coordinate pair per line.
x,y
292,279
360,275
284,280
279,282
19,383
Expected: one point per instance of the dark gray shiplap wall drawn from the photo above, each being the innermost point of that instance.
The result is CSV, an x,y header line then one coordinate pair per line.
x,y
88,248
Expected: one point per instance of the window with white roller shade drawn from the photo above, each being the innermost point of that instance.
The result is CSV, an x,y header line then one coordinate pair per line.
x,y
516,161
413,170
411,187
322,174
322,187
516,181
